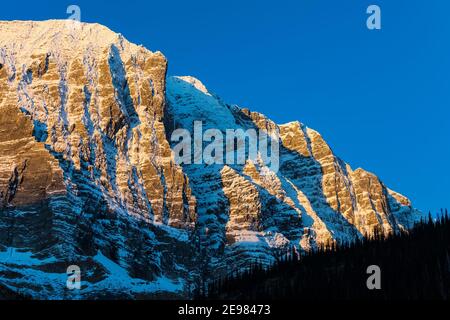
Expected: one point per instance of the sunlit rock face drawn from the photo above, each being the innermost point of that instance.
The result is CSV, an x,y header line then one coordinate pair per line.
x,y
86,171
88,177
249,213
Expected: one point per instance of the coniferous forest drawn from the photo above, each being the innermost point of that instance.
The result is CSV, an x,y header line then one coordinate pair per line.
x,y
414,265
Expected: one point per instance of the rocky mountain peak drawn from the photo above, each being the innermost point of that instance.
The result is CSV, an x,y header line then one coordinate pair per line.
x,y
88,174
69,38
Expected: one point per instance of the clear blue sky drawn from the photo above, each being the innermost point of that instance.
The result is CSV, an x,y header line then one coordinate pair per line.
x,y
380,98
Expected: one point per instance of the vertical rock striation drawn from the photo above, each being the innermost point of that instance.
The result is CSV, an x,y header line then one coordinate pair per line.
x,y
88,176
86,171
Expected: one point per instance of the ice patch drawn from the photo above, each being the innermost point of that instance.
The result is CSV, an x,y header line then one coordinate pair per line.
x,y
119,278
13,256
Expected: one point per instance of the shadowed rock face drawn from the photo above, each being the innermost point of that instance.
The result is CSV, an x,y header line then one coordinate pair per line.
x,y
87,175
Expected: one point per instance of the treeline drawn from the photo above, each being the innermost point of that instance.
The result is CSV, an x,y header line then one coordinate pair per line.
x,y
413,265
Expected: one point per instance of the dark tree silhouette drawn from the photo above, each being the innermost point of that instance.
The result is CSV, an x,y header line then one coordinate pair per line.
x,y
414,265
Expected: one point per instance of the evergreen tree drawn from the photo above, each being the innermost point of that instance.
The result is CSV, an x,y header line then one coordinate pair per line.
x,y
414,265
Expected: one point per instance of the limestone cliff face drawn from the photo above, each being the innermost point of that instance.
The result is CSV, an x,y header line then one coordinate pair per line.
x,y
248,212
88,176
96,103
83,150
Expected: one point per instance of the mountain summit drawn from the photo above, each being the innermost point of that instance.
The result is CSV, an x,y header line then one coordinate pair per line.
x,y
88,175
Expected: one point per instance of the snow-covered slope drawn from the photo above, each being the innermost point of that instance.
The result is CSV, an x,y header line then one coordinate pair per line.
x,y
249,213
88,177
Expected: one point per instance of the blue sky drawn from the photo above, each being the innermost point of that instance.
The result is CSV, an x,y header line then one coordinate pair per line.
x,y
380,98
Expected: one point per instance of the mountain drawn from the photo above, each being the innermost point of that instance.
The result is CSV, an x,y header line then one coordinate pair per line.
x,y
89,176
